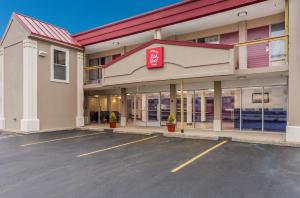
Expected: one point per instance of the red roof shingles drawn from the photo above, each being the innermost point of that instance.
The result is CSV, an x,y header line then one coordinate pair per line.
x,y
46,30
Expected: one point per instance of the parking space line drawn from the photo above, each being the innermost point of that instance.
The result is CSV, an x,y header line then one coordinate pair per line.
x,y
118,146
59,139
197,157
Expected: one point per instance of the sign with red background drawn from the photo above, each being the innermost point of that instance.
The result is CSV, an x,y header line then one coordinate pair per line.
x,y
155,57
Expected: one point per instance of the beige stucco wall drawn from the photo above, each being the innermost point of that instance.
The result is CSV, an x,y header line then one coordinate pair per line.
x,y
180,62
15,33
13,86
231,28
56,101
13,74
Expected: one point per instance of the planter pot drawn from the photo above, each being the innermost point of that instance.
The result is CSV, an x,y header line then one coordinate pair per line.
x,y
171,127
112,125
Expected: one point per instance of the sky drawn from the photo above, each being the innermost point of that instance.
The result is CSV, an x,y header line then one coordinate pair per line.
x,y
77,16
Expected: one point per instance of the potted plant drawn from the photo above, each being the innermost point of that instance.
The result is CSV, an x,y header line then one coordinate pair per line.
x,y
171,124
112,120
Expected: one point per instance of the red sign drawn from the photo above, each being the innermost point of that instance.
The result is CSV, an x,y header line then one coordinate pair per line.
x,y
155,57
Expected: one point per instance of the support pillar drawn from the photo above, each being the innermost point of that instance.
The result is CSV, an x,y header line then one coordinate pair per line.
x,y
173,99
80,92
134,109
109,103
157,34
144,107
293,126
189,108
30,122
217,106
87,108
2,119
243,61
203,107
181,107
123,107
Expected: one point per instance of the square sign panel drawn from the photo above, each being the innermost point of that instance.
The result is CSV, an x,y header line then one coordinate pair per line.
x,y
155,57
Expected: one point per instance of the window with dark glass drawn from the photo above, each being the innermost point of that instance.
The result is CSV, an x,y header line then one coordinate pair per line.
x,y
59,67
277,47
94,74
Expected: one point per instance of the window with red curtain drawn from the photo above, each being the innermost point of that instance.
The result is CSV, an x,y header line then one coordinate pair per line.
x,y
258,54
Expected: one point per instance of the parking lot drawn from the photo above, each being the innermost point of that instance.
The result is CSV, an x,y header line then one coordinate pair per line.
x,y
87,164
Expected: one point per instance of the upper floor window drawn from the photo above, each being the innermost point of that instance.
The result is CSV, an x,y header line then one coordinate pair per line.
x,y
59,64
94,74
210,39
277,47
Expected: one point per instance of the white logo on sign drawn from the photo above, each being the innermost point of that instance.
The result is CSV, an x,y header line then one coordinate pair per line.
x,y
154,57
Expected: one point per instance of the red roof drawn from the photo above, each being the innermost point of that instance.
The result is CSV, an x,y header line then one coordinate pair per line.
x,y
45,30
170,42
162,17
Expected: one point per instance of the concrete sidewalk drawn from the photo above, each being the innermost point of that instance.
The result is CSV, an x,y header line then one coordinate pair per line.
x,y
248,137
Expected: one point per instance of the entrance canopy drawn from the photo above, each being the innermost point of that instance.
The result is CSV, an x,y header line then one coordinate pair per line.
x,y
170,60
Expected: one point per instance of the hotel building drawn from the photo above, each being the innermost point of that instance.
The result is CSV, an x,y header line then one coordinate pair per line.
x,y
218,65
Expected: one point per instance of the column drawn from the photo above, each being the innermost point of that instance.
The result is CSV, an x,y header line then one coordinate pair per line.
x,y
134,109
157,34
2,119
139,108
80,93
181,107
30,122
87,108
293,128
189,108
109,103
217,106
144,107
173,99
243,49
203,107
123,107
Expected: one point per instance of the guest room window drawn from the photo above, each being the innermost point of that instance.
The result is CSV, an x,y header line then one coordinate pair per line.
x,y
210,39
277,47
59,64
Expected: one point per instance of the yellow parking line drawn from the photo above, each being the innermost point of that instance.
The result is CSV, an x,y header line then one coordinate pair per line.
x,y
197,157
59,139
118,146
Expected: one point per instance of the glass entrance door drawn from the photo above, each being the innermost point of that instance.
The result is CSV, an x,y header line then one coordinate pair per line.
x,y
231,109
165,107
148,109
204,109
153,109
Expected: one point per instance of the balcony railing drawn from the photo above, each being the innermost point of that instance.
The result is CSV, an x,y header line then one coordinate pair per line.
x,y
93,74
266,52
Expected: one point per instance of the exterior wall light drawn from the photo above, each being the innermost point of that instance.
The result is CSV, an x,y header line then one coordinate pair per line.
x,y
116,43
242,14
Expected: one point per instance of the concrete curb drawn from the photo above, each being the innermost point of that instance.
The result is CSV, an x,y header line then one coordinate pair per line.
x,y
134,132
190,136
